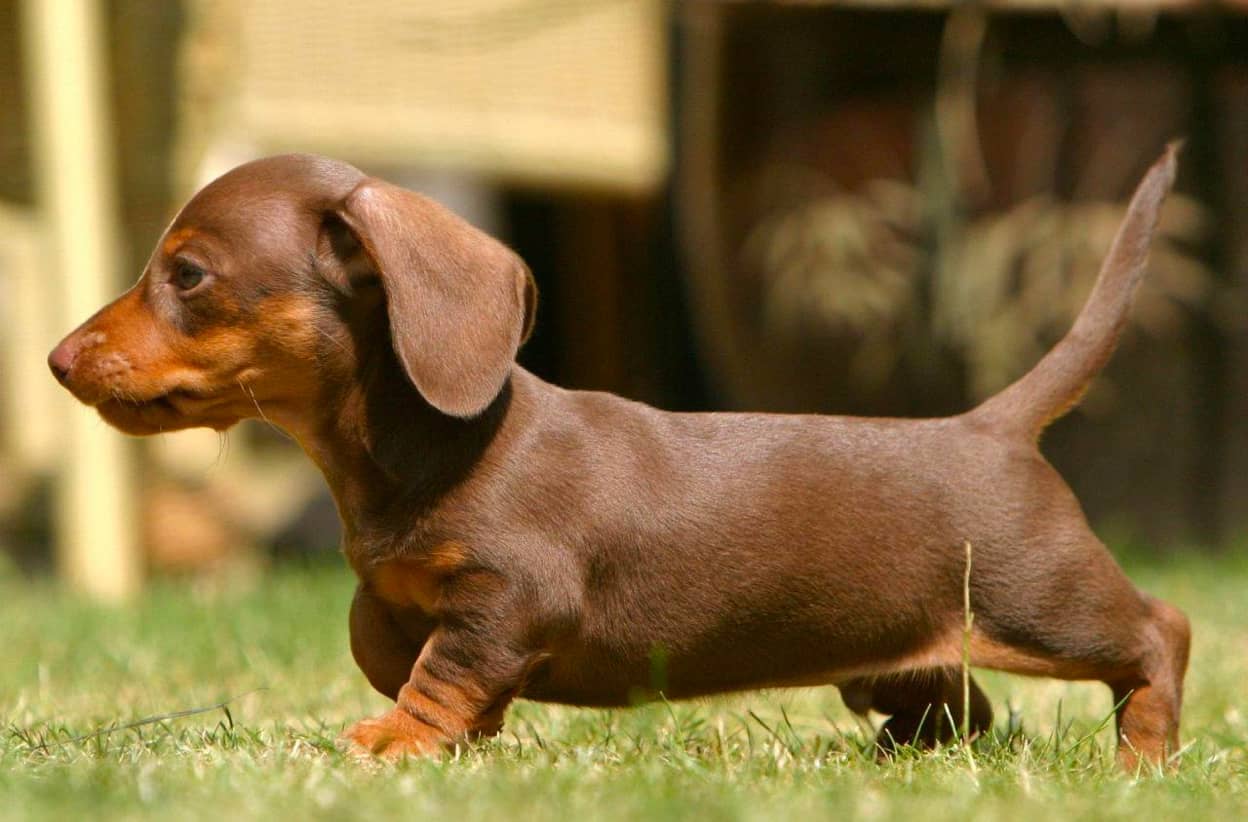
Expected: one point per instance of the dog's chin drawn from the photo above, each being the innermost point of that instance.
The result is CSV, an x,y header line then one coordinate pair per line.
x,y
157,416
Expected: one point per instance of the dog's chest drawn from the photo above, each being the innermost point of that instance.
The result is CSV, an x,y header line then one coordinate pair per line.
x,y
417,581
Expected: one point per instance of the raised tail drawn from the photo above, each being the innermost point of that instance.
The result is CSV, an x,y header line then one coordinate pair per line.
x,y
1057,383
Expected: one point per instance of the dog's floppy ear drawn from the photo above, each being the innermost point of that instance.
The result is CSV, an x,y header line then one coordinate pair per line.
x,y
459,302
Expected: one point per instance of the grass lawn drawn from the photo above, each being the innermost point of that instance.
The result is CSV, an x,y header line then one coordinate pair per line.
x,y
277,648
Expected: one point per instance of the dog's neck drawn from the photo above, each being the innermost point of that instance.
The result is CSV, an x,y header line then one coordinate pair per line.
x,y
387,455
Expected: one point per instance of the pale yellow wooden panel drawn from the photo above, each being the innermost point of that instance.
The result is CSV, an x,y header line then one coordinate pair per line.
x,y
561,91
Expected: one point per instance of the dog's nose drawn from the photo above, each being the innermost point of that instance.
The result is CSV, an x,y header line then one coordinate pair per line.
x,y
61,360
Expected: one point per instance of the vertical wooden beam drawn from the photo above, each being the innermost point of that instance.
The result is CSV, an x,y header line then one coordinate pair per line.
x,y
1207,341
96,524
28,402
715,315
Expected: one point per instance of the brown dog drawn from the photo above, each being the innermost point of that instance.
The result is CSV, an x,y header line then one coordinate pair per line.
x,y
515,539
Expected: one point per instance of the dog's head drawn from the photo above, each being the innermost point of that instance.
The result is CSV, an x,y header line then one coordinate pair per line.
x,y
260,291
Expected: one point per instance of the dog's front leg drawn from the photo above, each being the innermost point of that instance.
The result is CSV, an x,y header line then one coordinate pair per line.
x,y
386,642
459,688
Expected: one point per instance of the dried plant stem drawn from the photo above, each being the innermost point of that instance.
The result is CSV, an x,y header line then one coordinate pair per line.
x,y
968,622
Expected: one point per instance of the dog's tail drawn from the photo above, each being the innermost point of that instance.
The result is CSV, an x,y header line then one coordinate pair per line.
x,y
1059,380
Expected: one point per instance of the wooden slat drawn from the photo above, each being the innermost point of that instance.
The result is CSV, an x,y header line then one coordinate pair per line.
x,y
562,92
1019,5
97,536
28,405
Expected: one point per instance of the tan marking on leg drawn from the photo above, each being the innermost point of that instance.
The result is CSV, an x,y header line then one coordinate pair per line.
x,y
431,714
988,653
1148,724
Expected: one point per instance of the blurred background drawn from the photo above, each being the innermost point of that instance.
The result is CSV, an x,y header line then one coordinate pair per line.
x,y
866,207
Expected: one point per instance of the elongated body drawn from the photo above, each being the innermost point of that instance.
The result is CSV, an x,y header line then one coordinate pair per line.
x,y
515,539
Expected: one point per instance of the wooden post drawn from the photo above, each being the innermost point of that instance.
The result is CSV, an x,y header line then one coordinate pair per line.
x,y
29,405
97,537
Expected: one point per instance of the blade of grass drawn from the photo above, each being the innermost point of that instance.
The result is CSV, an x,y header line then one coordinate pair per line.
x,y
100,734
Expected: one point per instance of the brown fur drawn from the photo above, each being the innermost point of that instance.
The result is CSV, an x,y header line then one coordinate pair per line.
x,y
512,537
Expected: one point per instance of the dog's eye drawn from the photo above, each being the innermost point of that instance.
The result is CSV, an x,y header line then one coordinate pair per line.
x,y
187,276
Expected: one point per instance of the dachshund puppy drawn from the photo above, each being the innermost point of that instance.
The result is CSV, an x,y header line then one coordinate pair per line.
x,y
512,538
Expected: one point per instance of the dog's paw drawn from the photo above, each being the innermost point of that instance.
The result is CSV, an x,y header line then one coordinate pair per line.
x,y
393,736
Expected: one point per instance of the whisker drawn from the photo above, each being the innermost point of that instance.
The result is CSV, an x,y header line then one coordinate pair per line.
x,y
251,394
341,346
223,447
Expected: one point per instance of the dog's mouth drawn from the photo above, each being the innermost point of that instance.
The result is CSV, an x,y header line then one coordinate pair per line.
x,y
173,401
170,411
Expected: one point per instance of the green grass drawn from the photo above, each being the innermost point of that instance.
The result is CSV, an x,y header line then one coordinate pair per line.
x,y
277,647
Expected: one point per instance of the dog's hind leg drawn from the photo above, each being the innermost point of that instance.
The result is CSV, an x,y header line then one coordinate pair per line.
x,y
1150,699
920,705
1107,631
